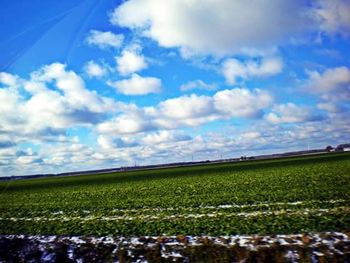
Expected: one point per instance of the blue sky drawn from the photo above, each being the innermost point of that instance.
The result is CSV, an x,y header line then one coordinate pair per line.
x,y
99,84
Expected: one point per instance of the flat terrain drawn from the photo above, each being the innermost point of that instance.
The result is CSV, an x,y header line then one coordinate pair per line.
x,y
282,196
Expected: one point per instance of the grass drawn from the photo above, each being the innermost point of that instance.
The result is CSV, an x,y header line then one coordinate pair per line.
x,y
287,195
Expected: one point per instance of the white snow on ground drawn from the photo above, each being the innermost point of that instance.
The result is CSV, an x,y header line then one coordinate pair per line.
x,y
189,209
292,256
228,206
305,211
172,246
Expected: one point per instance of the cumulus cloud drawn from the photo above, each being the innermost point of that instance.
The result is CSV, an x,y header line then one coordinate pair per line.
x,y
216,27
333,82
192,110
259,138
51,100
122,125
165,136
189,111
27,156
197,84
294,136
291,113
137,85
130,61
235,70
68,156
128,123
95,70
104,40
192,106
8,79
332,87
334,16
109,142
73,87
43,107
250,135
156,147
331,107
242,102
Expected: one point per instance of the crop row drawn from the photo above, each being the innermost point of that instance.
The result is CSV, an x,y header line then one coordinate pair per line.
x,y
276,222
227,208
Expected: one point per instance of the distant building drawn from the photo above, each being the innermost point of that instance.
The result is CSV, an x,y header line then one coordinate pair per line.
x,y
343,147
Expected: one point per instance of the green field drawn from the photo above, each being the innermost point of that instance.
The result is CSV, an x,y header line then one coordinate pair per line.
x,y
292,195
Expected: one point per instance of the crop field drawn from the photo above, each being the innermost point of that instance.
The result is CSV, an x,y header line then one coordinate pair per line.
x,y
266,197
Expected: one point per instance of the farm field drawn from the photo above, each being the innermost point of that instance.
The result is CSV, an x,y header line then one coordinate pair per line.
x,y
267,197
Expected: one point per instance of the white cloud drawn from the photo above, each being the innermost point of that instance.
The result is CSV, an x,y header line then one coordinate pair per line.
x,y
8,98
167,146
28,160
105,142
332,86
8,79
294,136
55,99
242,102
129,123
235,70
189,111
137,85
95,70
73,87
165,136
250,135
68,156
131,61
192,110
330,107
217,27
333,82
184,107
108,142
290,113
334,16
197,84
104,39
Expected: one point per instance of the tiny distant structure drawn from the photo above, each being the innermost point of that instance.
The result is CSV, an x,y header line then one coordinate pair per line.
x,y
244,158
329,148
343,147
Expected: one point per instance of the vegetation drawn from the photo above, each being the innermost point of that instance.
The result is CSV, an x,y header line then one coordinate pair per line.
x,y
283,196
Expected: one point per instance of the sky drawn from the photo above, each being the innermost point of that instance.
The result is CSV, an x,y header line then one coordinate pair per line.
x,y
92,84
